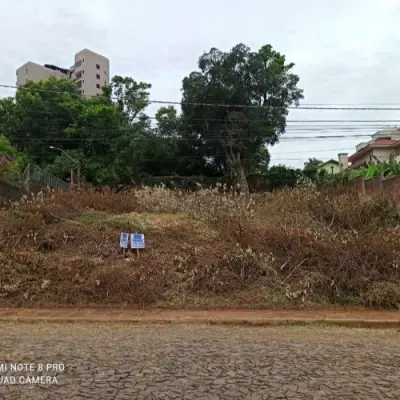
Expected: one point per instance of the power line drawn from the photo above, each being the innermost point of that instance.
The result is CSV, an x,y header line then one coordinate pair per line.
x,y
54,129
344,120
48,91
359,124
354,104
172,158
224,105
272,106
292,125
289,129
178,103
224,120
289,121
211,138
312,151
89,140
201,157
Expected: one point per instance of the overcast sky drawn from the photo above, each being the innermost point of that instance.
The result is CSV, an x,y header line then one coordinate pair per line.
x,y
345,51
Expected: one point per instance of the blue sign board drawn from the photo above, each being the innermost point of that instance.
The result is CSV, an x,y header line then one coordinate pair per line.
x,y
137,241
124,240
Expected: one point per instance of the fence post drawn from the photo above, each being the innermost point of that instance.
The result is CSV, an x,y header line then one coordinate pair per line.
x,y
72,179
27,178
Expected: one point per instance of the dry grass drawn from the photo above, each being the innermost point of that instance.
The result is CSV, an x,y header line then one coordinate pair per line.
x,y
206,249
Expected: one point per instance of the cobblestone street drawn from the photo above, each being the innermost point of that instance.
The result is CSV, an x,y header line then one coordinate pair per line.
x,y
116,361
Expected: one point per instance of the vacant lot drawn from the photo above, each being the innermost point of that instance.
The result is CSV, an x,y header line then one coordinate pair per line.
x,y
205,249
182,362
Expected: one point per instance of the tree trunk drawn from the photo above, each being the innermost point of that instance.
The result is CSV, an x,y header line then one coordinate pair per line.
x,y
237,172
240,175
242,180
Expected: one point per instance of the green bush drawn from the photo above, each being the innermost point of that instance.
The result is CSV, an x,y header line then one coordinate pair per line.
x,y
11,162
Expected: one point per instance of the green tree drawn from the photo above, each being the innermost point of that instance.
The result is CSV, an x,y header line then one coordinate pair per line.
x,y
62,164
280,176
42,115
7,109
51,112
11,162
131,97
312,163
142,153
187,156
169,124
261,83
311,168
140,150
258,162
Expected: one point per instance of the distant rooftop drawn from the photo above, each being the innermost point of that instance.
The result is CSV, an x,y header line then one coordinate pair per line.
x,y
93,52
55,68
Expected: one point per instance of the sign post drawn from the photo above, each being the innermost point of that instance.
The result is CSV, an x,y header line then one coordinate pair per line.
x,y
137,241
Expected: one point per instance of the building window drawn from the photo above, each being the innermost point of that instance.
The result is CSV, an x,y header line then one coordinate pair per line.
x,y
26,71
98,86
97,76
105,72
97,66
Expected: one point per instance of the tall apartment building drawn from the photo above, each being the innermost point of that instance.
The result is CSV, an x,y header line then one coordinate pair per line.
x,y
90,72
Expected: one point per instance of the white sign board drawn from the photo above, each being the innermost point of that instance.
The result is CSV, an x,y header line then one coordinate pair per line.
x,y
137,241
124,240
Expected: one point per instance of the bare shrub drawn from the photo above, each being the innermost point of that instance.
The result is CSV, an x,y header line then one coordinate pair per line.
x,y
55,205
233,271
333,266
122,283
382,294
210,204
303,244
345,211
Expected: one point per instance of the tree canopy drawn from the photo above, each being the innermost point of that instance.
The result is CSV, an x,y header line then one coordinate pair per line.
x,y
237,103
104,135
312,164
11,162
232,108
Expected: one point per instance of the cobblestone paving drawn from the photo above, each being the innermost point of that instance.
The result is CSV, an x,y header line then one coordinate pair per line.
x,y
125,362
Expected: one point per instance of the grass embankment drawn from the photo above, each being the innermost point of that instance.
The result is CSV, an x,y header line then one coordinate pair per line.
x,y
203,250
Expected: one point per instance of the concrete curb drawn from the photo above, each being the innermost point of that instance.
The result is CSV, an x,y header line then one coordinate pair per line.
x,y
365,318
270,322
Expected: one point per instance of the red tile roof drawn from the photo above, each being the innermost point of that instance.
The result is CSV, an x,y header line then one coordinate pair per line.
x,y
377,143
384,142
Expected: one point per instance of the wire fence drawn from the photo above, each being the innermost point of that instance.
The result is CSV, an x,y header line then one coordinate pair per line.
x,y
33,173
